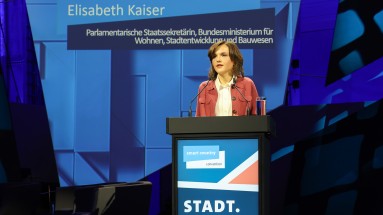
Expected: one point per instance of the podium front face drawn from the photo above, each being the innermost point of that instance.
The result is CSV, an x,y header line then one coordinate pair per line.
x,y
219,172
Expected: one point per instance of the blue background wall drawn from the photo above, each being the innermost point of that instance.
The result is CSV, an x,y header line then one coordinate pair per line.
x,y
326,101
107,109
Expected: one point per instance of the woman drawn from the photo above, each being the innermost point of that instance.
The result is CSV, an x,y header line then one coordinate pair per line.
x,y
227,92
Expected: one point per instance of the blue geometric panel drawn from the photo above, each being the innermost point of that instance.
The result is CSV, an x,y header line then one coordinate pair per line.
x,y
325,167
349,28
143,94
127,164
65,167
190,67
378,18
43,19
270,67
342,203
377,161
357,30
351,62
127,123
163,92
157,159
338,169
91,168
338,117
320,124
58,66
92,100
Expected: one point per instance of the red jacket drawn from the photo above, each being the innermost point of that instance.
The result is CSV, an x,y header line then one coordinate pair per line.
x,y
208,98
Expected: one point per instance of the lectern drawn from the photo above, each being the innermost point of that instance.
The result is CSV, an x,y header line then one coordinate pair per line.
x,y
220,165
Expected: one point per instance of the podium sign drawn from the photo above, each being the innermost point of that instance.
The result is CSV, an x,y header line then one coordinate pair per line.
x,y
217,176
219,165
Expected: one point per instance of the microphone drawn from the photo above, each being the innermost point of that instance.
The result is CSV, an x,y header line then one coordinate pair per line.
x,y
234,82
191,102
243,96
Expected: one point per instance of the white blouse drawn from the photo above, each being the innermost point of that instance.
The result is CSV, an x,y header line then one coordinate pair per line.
x,y
223,106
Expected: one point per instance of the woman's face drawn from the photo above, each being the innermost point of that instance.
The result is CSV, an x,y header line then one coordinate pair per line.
x,y
222,63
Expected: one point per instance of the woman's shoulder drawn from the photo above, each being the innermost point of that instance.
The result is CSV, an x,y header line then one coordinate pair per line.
x,y
204,83
245,80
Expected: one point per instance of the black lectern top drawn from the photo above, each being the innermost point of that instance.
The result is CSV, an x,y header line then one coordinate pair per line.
x,y
221,124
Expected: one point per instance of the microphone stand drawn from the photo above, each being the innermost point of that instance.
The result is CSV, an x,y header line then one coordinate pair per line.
x,y
243,96
191,102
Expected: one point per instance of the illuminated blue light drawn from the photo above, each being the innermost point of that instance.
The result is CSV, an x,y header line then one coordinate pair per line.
x,y
320,124
282,152
378,18
337,118
368,103
351,62
348,28
380,75
368,113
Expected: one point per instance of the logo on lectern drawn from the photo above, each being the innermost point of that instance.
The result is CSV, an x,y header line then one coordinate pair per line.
x,y
207,206
204,157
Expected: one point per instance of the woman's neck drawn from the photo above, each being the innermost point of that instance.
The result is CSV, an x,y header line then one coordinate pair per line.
x,y
224,79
